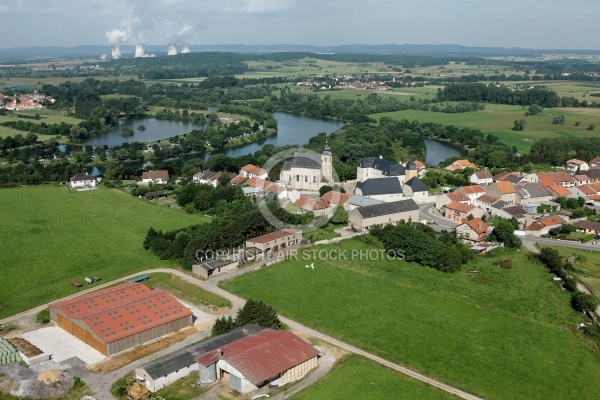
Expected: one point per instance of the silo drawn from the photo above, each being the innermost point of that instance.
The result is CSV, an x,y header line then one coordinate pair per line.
x,y
207,375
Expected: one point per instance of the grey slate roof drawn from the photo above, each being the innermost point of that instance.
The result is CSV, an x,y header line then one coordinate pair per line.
x,y
593,173
387,168
411,166
378,186
82,177
515,211
393,207
530,190
416,185
303,160
188,355
362,201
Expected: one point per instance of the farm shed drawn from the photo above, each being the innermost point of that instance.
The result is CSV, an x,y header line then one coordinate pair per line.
x,y
276,241
213,267
168,369
256,360
116,319
362,218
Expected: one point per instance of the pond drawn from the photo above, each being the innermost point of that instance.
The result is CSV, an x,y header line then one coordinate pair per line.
x,y
439,151
156,129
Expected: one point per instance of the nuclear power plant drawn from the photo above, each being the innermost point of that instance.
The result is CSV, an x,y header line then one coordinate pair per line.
x,y
139,50
116,51
185,48
171,50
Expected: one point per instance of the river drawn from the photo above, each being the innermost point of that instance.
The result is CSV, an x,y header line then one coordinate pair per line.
x,y
291,130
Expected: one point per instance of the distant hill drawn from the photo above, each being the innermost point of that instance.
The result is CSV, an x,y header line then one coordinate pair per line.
x,y
87,51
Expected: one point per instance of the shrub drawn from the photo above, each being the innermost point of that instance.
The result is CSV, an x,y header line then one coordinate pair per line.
x,y
584,302
43,317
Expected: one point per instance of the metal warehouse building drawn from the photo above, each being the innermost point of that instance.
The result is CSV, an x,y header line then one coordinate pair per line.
x,y
116,319
258,359
168,369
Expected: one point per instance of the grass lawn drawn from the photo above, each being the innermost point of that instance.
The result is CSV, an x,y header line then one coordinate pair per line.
x,y
499,333
50,236
498,119
355,377
326,232
185,290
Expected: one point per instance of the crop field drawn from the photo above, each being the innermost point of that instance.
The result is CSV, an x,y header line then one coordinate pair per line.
x,y
50,236
579,90
355,377
310,67
497,333
498,120
47,116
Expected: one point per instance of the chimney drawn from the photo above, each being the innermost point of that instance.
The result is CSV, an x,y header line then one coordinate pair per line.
x,y
139,50
171,50
185,48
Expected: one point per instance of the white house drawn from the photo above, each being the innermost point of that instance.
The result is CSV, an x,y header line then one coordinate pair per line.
x,y
481,178
574,164
82,180
155,176
252,171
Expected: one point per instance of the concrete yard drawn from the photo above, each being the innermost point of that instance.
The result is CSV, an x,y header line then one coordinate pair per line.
x,y
199,315
62,345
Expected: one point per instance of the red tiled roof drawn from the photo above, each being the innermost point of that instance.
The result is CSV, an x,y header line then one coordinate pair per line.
x,y
302,201
488,198
555,177
419,164
505,187
595,186
560,190
124,310
472,189
337,198
501,176
582,177
593,197
586,189
596,160
553,220
457,196
456,206
156,174
253,169
263,355
483,175
594,226
478,225
238,180
273,235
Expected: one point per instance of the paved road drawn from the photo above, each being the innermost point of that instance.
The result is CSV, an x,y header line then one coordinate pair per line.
x,y
428,212
529,243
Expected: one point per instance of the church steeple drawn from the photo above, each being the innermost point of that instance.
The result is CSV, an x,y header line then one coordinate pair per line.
x,y
326,148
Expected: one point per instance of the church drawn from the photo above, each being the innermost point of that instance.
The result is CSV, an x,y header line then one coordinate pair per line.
x,y
308,171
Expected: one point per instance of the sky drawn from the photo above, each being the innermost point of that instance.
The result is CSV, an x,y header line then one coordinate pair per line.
x,y
539,24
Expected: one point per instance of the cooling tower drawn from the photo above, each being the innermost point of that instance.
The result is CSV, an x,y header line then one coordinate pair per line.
x,y
171,50
185,48
139,50
116,51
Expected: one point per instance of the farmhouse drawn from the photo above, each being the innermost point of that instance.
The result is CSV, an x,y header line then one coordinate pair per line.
x,y
252,171
214,267
588,227
472,192
309,171
155,176
472,232
170,368
543,226
575,165
447,198
275,241
481,178
362,218
119,318
82,180
258,359
460,165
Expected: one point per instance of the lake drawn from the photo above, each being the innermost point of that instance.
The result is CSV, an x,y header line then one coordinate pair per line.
x,y
438,152
156,129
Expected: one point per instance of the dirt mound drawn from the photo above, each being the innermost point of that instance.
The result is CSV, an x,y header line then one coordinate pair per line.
x,y
137,391
47,385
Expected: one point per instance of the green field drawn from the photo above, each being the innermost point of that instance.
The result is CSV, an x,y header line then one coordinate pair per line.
x,y
498,333
586,265
355,377
498,119
47,116
50,236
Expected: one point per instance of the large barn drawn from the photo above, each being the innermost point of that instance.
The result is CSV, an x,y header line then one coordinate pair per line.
x,y
258,359
172,367
118,318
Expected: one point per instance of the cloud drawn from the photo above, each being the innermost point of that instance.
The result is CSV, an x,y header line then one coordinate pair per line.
x,y
267,6
4,9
